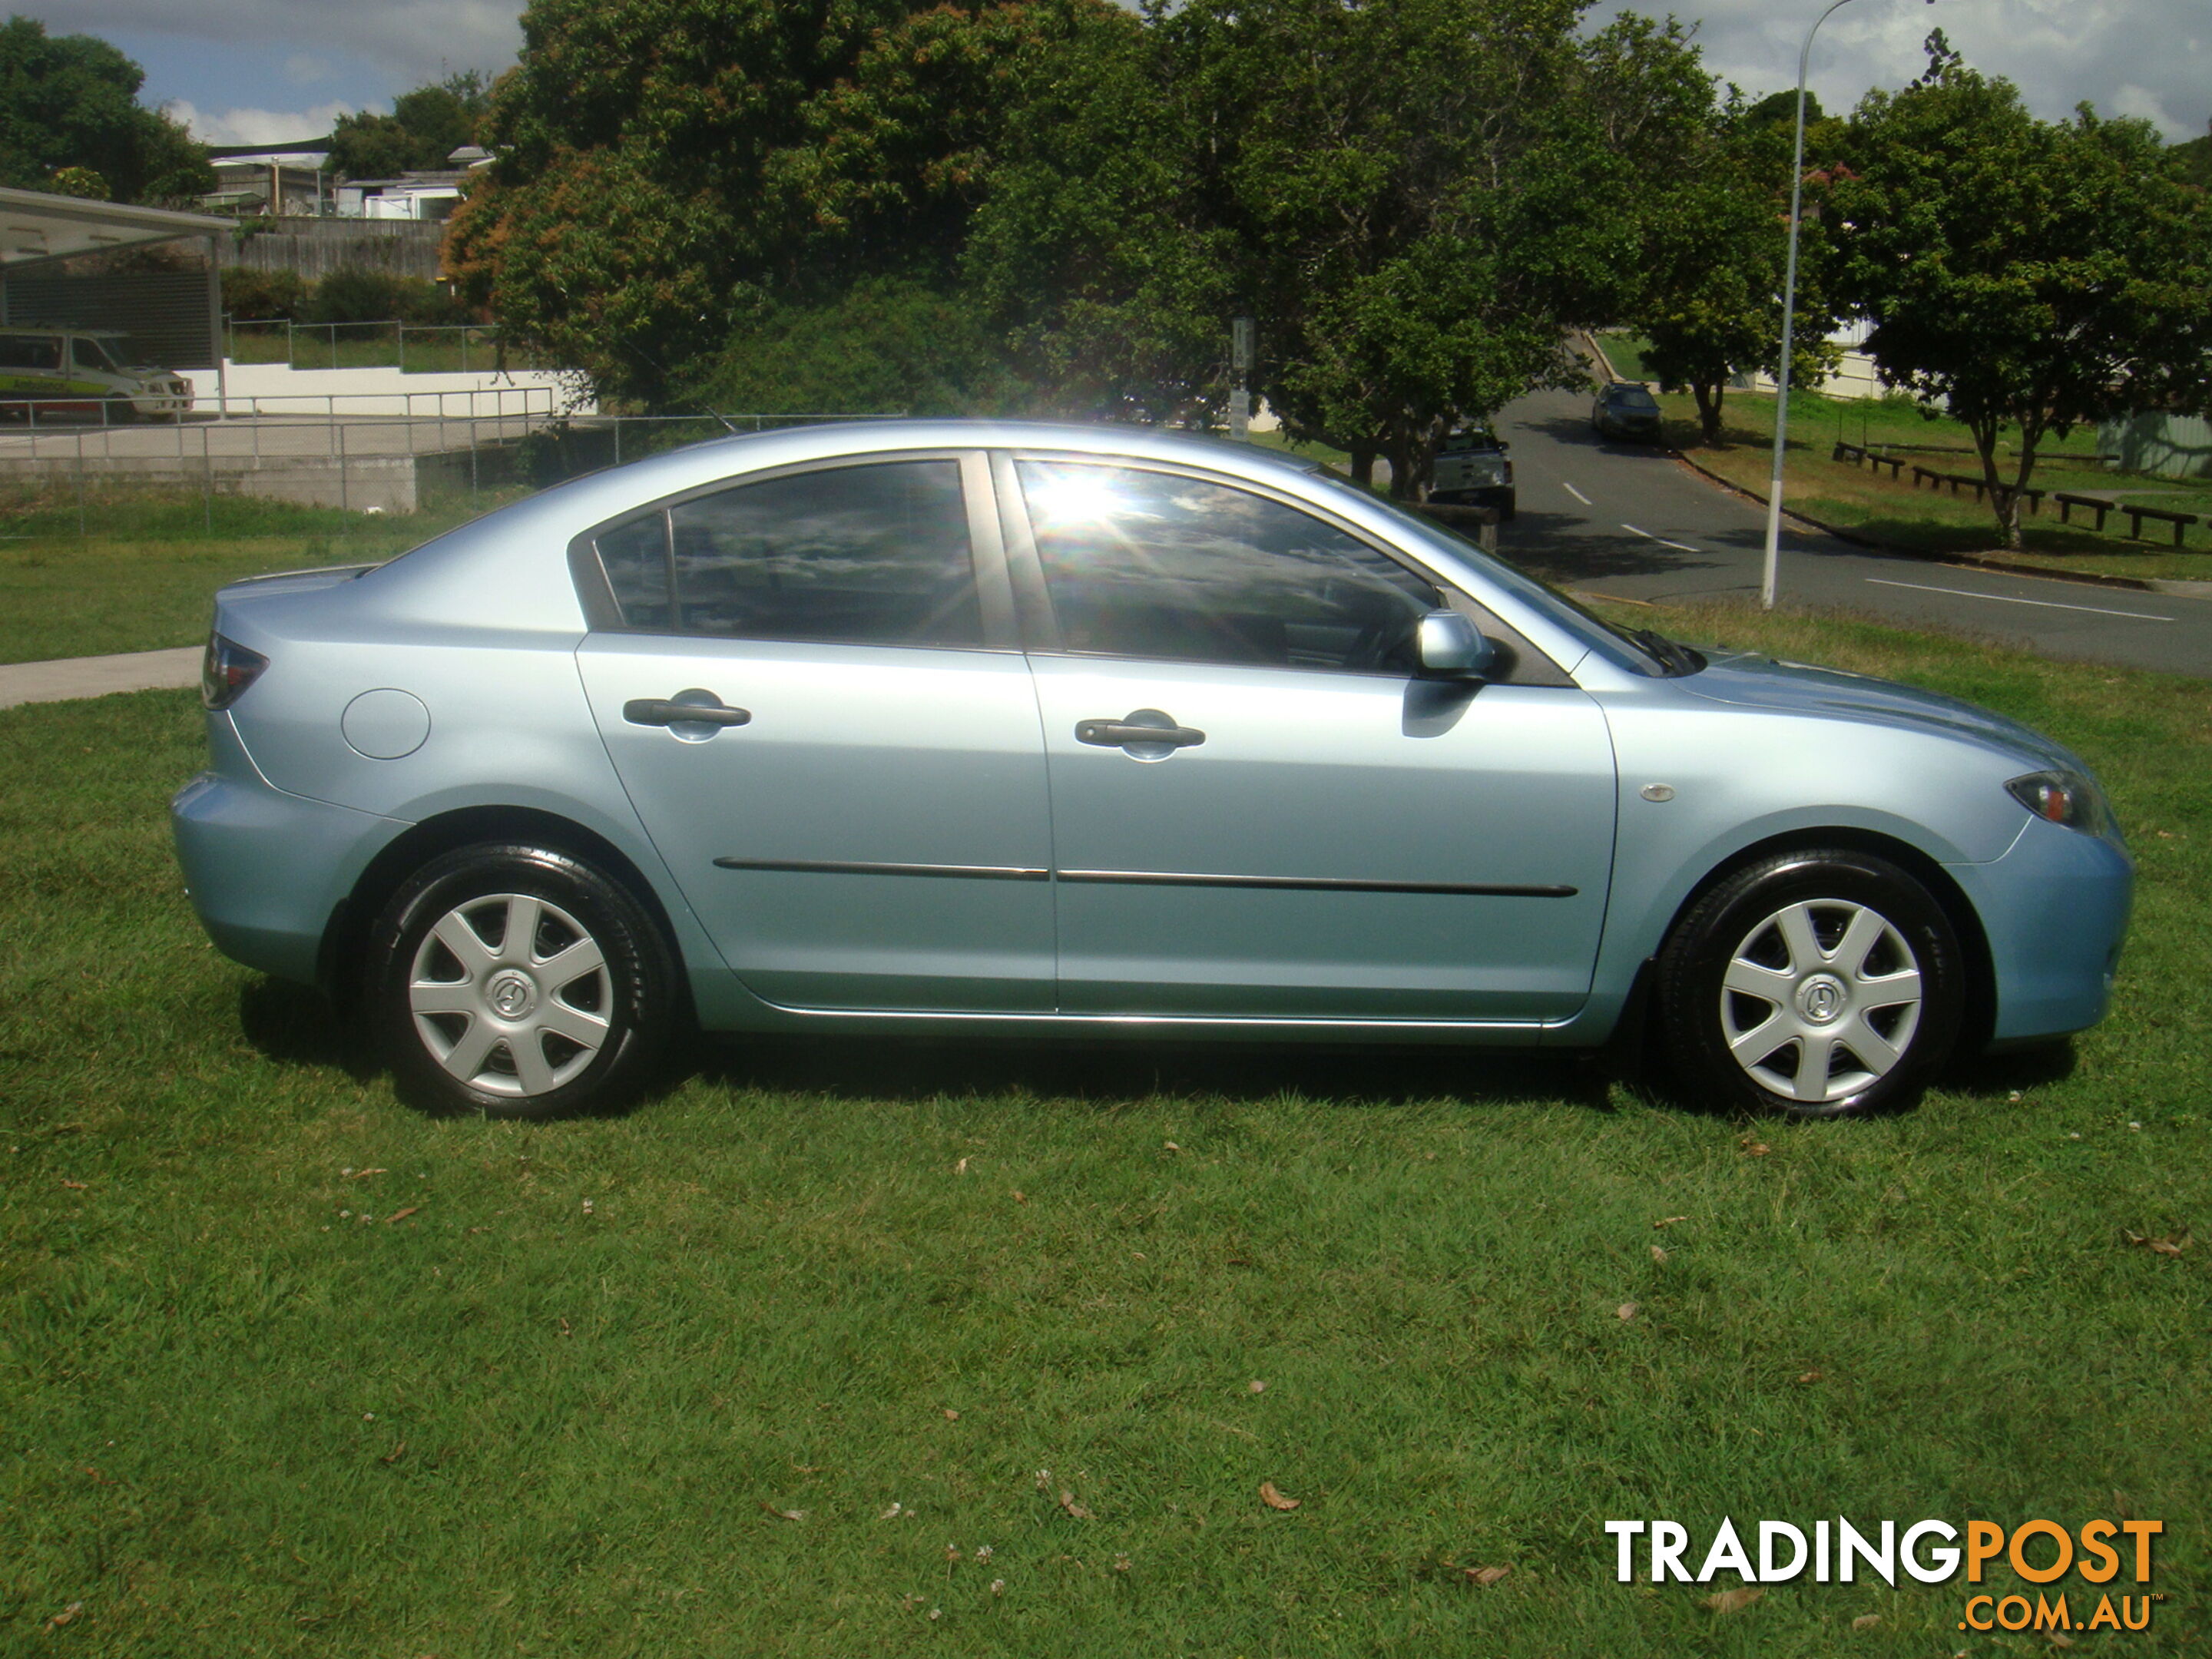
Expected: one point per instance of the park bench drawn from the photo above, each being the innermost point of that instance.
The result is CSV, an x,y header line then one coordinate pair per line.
x,y
2137,514
2067,504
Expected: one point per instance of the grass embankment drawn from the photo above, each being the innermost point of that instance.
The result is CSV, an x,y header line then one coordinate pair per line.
x,y
287,1370
141,579
1870,503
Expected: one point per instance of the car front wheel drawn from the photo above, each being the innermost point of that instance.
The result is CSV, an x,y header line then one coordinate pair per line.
x,y
1821,983
519,981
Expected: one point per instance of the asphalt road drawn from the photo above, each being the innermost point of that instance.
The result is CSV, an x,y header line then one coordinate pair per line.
x,y
1627,521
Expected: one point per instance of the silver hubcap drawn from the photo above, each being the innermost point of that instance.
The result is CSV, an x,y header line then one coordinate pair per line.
x,y
1820,1000
510,995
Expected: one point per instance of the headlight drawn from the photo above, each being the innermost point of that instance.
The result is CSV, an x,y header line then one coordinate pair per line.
x,y
2066,798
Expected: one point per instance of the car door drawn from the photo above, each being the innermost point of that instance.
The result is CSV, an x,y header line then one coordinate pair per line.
x,y
809,686
1315,833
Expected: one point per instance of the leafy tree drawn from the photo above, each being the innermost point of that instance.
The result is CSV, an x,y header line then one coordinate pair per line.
x,y
2027,275
1715,256
887,345
1415,198
425,127
666,168
69,119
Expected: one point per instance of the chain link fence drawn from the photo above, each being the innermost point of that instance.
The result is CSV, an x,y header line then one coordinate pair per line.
x,y
451,451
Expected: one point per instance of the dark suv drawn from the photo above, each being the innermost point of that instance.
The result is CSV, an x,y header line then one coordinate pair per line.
x,y
1472,471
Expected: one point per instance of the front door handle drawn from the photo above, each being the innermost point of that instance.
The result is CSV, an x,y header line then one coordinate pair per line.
x,y
1147,726
672,711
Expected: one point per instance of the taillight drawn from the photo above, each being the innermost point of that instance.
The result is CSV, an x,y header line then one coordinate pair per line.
x,y
227,670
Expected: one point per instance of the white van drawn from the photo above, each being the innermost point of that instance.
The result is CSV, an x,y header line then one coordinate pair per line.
x,y
83,371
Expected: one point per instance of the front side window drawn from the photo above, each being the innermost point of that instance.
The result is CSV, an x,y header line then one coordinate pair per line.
x,y
1150,564
92,356
871,555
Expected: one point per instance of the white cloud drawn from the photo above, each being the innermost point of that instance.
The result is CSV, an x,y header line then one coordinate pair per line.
x,y
2147,57
255,126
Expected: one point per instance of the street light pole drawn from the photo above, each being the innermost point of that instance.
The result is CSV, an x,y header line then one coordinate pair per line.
x,y
1771,579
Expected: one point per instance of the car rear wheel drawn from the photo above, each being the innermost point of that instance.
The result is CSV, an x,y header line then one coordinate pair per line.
x,y
1823,983
519,981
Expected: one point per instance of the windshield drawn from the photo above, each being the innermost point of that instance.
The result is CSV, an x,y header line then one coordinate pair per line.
x,y
1634,397
1639,651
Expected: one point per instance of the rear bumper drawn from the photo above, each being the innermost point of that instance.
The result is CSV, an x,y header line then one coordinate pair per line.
x,y
2054,911
265,869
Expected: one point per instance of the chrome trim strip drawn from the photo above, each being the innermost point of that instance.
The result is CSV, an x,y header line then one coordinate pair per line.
x,y
1349,1026
1310,883
842,868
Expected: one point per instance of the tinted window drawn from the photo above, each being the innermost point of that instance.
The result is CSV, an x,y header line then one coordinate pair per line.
x,y
1147,564
1634,397
30,351
636,558
873,554
92,354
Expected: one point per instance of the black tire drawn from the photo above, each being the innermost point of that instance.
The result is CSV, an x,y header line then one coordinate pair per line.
x,y
1512,508
1789,986
497,1033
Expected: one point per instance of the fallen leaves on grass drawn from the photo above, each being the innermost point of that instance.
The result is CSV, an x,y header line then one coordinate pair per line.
x,y
950,1416
78,1186
362,1175
960,1168
1627,1311
1274,1498
1485,1576
1734,1601
1753,1148
1256,1386
1809,1377
767,1507
67,1615
1668,1221
401,1215
394,1454
1020,1197
1866,1621
892,1513
1067,1502
2167,1244
1659,1255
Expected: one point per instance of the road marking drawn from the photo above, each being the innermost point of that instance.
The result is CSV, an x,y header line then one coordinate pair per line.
x,y
2003,598
1682,546
1574,492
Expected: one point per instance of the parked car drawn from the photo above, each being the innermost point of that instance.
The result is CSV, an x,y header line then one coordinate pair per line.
x,y
72,371
1626,408
1471,471
947,727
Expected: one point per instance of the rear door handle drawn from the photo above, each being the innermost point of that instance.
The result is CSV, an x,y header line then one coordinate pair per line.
x,y
666,711
1120,734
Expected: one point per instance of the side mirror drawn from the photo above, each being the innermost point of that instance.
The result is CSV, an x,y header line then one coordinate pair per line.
x,y
1447,647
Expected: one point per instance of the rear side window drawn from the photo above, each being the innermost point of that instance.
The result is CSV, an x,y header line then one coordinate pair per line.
x,y
42,352
871,555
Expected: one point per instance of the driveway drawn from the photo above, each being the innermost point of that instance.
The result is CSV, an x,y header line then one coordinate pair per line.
x,y
1629,521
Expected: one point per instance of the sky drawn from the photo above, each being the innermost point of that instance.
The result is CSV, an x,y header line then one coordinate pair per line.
x,y
261,71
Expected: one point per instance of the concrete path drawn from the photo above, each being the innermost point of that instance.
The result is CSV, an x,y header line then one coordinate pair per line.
x,y
96,677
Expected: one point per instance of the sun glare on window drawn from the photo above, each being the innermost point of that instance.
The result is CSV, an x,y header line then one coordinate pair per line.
x,y
1067,499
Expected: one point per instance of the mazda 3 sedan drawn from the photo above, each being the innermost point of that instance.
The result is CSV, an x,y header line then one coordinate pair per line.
x,y
937,726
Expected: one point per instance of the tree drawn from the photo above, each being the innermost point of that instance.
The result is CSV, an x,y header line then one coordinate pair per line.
x,y
667,169
1714,255
2028,275
425,127
69,109
1415,198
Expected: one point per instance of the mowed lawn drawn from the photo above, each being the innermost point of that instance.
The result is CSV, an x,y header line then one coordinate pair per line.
x,y
767,1365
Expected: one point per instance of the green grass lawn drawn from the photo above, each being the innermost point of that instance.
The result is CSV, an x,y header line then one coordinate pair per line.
x,y
1870,502
763,1366
142,579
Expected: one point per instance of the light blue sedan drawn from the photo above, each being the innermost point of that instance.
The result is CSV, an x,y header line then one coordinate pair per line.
x,y
937,727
